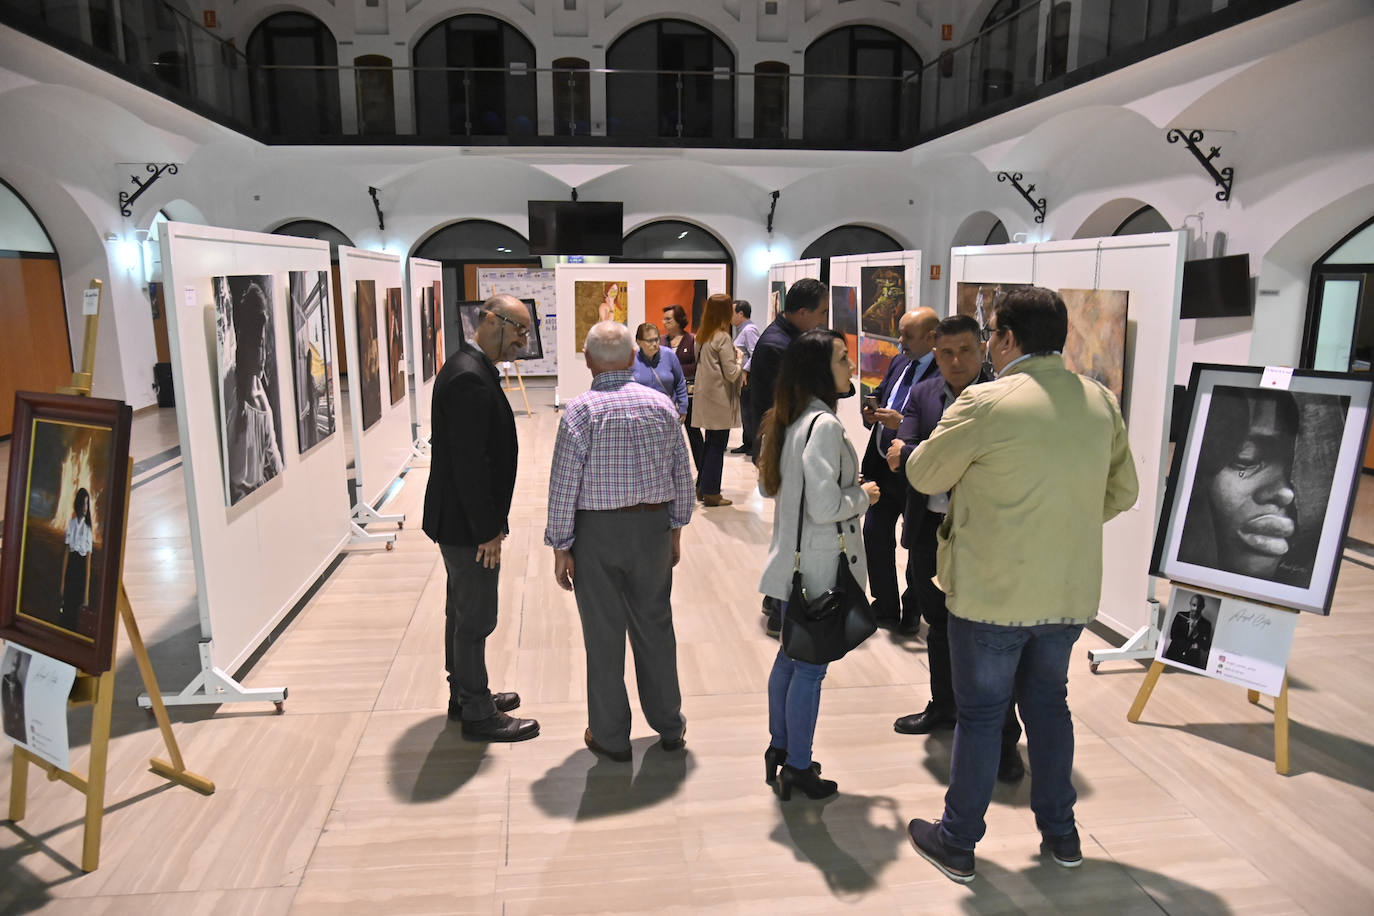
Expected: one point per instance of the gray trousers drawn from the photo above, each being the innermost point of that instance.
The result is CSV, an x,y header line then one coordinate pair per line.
x,y
469,618
623,581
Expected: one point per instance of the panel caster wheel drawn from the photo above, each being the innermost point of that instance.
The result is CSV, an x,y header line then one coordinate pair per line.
x,y
390,545
400,525
281,706
1092,667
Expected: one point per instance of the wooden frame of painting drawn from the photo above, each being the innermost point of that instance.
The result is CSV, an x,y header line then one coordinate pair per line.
x,y
65,513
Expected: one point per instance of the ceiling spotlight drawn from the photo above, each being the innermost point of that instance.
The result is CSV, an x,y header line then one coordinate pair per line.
x,y
682,234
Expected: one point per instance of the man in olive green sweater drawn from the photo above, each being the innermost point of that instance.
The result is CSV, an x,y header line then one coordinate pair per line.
x,y
1037,460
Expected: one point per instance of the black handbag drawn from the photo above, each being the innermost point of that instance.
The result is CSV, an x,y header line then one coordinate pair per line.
x,y
823,629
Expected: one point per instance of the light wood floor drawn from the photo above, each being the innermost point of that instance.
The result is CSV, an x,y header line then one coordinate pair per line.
x,y
362,798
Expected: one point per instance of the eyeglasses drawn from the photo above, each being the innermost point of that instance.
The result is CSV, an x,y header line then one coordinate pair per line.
x,y
987,332
652,340
520,329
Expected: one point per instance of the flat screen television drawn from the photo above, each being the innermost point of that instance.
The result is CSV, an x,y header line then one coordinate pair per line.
x,y
1217,288
576,227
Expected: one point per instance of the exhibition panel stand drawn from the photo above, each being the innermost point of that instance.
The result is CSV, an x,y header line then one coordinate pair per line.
x,y
96,688
267,497
869,293
381,429
585,292
425,343
528,283
1140,277
781,276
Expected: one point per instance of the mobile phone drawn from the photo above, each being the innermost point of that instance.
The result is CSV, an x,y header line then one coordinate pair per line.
x,y
871,402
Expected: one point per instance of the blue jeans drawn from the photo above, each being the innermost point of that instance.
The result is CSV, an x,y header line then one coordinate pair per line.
x,y
794,702
991,664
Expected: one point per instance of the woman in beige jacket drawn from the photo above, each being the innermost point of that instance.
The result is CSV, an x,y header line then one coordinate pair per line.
x,y
715,407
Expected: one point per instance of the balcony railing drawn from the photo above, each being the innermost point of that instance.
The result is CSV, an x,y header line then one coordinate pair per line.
x,y
1025,56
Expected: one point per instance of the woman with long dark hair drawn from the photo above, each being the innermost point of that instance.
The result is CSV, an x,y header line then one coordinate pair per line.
x,y
715,410
76,563
805,452
679,339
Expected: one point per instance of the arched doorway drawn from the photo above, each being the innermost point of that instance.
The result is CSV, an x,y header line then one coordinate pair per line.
x,y
315,229
677,240
850,239
474,76
465,247
290,102
696,98
1339,336
376,94
1146,219
35,342
854,88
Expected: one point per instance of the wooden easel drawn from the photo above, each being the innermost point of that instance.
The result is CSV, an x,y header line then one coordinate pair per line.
x,y
98,690
1142,697
514,366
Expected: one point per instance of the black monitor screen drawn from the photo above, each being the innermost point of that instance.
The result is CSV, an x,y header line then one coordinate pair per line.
x,y
1217,288
576,227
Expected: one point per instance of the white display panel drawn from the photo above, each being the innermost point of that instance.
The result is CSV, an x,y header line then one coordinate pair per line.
x,y
573,375
848,271
253,561
422,275
383,450
528,283
1150,269
786,273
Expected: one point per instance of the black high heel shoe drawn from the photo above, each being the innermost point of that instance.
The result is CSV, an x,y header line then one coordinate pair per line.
x,y
775,757
807,780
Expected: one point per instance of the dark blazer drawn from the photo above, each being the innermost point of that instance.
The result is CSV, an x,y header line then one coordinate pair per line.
x,y
875,468
473,452
765,363
924,407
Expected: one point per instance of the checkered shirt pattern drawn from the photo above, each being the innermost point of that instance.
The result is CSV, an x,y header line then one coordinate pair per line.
x,y
618,445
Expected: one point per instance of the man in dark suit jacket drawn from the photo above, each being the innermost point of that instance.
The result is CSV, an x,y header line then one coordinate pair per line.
x,y
883,414
959,356
471,482
1190,636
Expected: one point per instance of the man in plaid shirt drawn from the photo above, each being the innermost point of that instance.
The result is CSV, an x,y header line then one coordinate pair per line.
x,y
620,492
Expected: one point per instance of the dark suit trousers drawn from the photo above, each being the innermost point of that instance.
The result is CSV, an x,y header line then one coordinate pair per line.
x,y
751,423
920,569
880,549
620,590
469,618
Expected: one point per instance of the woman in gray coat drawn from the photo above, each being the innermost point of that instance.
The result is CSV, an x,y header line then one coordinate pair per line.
x,y
805,449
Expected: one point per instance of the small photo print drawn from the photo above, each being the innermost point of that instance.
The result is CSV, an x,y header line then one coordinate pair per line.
x,y
1188,630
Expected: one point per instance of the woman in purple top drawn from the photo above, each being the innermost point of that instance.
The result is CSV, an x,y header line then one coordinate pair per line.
x,y
657,368
677,338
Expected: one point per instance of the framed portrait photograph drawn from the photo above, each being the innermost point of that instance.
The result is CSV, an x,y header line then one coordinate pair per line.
x,y
1262,486
1229,639
249,389
312,357
64,526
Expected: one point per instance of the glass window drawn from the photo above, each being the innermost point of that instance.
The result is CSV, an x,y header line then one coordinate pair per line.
x,y
771,84
572,97
854,88
474,76
1005,51
295,102
376,96
843,240
1339,336
997,235
694,96
20,230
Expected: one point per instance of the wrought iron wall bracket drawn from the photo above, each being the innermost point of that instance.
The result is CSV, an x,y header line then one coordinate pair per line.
x,y
126,200
377,205
1037,205
1223,178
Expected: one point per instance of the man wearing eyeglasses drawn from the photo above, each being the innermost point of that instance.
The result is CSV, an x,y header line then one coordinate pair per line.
x,y
1035,462
471,481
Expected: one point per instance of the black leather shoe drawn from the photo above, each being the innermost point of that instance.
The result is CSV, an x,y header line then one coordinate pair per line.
x,y
954,864
1066,850
675,744
742,450
775,757
500,727
808,781
923,723
1010,768
886,623
774,625
624,756
909,627
504,702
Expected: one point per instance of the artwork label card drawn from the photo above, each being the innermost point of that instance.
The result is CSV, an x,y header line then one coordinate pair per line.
x,y
33,703
1229,639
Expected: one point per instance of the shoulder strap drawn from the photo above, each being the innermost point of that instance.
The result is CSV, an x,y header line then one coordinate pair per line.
x,y
796,563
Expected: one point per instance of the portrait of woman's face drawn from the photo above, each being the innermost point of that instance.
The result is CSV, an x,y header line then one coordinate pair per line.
x,y
1251,496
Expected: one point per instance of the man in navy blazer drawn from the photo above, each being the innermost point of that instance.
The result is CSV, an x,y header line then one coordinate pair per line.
x,y
883,414
958,353
467,501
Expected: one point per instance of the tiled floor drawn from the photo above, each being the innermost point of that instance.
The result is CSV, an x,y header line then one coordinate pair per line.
x,y
361,797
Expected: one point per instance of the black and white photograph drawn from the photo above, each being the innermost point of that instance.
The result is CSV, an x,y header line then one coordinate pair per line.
x,y
369,353
250,390
395,344
1261,488
427,361
1188,632
14,671
312,357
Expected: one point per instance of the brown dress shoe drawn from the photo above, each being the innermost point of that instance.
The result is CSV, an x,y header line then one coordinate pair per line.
x,y
715,499
624,756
